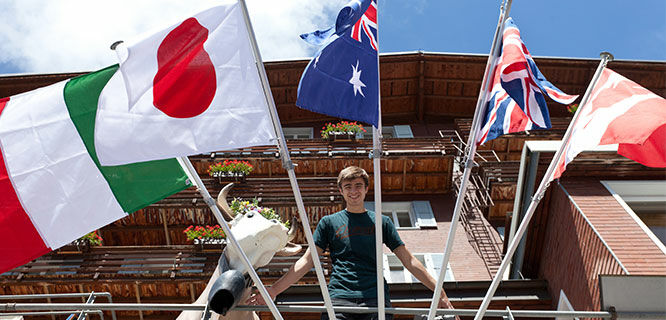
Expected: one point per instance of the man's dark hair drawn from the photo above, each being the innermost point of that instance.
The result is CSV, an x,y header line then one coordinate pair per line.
x,y
351,173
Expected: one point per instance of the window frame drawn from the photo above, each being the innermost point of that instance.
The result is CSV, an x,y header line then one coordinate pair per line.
x,y
638,190
428,260
292,133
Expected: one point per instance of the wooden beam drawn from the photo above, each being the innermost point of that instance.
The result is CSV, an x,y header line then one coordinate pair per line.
x,y
48,299
138,297
166,228
421,90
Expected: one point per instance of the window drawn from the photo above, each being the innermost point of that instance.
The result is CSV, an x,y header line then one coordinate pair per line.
x,y
645,201
135,266
297,133
407,215
404,131
500,231
395,272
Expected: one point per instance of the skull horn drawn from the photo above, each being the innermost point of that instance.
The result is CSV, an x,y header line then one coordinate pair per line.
x,y
289,250
292,230
222,204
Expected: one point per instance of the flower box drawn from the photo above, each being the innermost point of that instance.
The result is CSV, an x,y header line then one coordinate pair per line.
x,y
78,245
209,244
341,131
82,244
230,170
341,136
223,177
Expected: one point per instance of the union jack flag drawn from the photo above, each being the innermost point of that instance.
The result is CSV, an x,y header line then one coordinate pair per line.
x,y
503,115
365,29
516,101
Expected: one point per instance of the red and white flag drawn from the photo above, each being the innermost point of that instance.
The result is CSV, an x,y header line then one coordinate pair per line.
x,y
621,112
191,88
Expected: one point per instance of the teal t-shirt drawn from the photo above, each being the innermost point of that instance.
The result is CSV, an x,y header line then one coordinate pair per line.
x,y
350,238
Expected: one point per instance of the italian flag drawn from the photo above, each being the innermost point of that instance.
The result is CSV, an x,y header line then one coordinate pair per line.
x,y
53,189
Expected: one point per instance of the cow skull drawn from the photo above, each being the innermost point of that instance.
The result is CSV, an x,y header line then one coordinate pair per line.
x,y
260,240
259,237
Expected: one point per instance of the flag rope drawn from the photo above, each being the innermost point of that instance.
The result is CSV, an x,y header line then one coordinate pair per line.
x,y
289,166
470,150
538,194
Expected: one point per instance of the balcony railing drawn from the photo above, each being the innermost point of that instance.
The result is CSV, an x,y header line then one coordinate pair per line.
x,y
141,263
318,148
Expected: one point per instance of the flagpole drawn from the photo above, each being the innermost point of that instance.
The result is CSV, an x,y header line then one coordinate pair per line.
x,y
288,165
192,173
377,171
538,194
468,159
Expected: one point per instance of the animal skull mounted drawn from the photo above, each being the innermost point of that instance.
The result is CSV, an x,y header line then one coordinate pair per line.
x,y
260,239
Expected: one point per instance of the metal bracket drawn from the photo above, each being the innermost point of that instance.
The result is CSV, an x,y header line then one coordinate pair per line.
x,y
210,202
116,44
613,312
538,197
288,164
206,313
375,154
469,162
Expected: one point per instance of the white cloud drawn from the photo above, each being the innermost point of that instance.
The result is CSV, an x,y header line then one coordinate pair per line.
x,y
42,36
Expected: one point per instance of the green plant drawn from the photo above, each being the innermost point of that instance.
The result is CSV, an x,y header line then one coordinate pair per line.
x,y
343,127
231,166
93,238
208,232
572,108
240,206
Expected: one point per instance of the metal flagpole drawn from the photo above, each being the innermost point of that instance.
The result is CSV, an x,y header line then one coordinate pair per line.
x,y
377,174
468,159
288,165
192,173
376,162
538,194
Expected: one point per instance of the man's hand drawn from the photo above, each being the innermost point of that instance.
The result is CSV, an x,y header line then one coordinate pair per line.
x,y
257,299
444,303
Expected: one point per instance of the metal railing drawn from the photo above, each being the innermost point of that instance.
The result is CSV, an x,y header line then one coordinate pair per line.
x,y
11,308
82,313
317,148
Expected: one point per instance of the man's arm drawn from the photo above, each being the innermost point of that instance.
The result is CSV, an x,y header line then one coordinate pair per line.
x,y
295,273
419,271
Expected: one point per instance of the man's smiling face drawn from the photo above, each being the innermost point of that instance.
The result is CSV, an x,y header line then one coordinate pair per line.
x,y
354,191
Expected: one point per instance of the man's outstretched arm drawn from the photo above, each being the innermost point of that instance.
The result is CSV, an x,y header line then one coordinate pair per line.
x,y
295,273
419,271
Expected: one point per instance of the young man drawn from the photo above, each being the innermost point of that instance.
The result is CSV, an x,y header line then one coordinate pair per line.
x,y
349,235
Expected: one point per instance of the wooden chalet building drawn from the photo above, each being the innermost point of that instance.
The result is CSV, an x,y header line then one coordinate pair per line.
x,y
582,228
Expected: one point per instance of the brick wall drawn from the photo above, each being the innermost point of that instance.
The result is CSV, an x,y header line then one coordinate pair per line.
x,y
573,255
637,252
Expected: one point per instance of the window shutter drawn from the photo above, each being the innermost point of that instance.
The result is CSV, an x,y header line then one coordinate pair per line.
x,y
369,205
387,269
436,259
424,215
404,131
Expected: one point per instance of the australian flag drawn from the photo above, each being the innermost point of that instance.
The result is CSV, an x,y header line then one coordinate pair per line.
x,y
516,101
342,79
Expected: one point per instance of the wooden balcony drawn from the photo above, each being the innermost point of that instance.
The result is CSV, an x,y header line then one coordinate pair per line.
x,y
178,274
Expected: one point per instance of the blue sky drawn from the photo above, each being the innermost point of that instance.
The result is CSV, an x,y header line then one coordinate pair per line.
x,y
43,36
632,30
